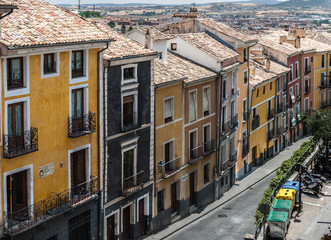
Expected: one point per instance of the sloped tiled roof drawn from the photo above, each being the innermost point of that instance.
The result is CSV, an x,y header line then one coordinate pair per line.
x,y
177,67
226,30
122,46
155,34
209,45
38,23
322,37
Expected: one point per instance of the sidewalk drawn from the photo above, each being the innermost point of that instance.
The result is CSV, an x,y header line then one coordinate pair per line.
x,y
239,187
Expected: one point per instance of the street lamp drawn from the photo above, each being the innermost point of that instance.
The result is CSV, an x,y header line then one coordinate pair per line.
x,y
160,165
299,168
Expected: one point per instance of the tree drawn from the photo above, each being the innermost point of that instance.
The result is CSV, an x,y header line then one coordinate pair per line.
x,y
111,24
130,28
319,125
123,29
91,14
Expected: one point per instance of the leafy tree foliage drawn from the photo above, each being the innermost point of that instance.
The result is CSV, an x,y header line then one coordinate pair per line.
x,y
91,14
130,28
111,24
123,29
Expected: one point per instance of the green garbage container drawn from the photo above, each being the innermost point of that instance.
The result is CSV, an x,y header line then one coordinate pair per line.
x,y
282,205
278,222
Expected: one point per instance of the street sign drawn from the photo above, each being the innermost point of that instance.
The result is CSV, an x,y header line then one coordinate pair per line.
x,y
264,208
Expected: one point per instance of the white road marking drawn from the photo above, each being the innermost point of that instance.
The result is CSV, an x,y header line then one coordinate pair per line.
x,y
314,204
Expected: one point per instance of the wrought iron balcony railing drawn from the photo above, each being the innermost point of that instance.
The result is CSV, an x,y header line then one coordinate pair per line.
x,y
196,154
20,144
225,164
171,167
81,126
209,147
256,122
15,222
132,184
234,121
270,135
270,114
226,126
129,121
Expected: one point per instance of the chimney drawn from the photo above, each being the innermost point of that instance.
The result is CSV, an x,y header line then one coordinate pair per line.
x,y
252,72
148,39
297,42
268,64
282,39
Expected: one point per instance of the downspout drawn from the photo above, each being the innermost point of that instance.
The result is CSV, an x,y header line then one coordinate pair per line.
x,y
217,79
98,133
301,90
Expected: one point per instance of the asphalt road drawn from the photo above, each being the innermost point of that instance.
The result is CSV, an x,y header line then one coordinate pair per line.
x,y
230,221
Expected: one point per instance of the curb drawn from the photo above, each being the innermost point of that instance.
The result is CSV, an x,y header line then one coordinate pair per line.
x,y
214,208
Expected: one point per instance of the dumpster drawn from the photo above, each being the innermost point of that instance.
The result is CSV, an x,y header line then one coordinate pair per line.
x,y
293,185
278,223
282,205
286,194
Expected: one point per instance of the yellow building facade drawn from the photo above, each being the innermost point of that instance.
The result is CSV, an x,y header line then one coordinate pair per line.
x,y
322,83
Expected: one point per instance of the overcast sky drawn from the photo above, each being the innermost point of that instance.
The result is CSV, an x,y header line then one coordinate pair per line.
x,y
137,1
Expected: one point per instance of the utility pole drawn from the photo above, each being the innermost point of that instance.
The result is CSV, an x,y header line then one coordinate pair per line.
x,y
78,6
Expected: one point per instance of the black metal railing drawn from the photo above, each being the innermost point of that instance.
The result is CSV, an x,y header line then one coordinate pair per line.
x,y
245,115
129,121
81,126
256,122
307,69
279,108
20,144
209,147
270,135
225,164
132,184
226,126
14,222
233,156
171,167
270,114
245,149
234,121
196,154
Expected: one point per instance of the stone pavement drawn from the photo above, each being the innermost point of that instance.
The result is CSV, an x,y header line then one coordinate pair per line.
x,y
240,186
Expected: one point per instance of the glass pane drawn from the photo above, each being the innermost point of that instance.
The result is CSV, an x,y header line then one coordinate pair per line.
x,y
10,121
16,69
79,104
128,163
18,120
73,104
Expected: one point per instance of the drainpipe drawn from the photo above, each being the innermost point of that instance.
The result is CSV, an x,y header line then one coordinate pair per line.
x,y
217,80
99,140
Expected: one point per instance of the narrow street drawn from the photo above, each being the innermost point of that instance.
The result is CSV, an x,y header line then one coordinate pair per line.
x,y
231,220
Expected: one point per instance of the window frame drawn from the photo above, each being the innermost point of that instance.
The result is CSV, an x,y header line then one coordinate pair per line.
x,y
195,105
196,140
297,70
304,104
160,200
85,97
297,90
125,149
209,100
207,125
323,61
56,73
129,80
135,106
291,73
172,109
208,174
306,67
84,77
245,81
173,46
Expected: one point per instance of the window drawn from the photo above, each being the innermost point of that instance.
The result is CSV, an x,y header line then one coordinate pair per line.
x,y
206,139
323,61
306,65
284,101
296,70
224,118
284,82
271,86
291,72
160,201
174,46
245,54
80,227
168,110
169,156
297,89
263,90
278,84
306,105
254,113
129,73
322,78
206,173
78,165
257,93
245,77
49,63
15,126
193,106
15,71
329,82
193,145
233,82
77,63
206,101
129,114
329,59
245,113
224,86
77,105
306,84
233,113
278,103
129,178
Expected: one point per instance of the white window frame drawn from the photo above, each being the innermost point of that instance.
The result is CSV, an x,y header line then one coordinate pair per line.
x,y
196,105
246,71
86,107
135,93
306,78
297,88
297,70
173,110
173,149
291,91
203,91
305,63
57,59
189,140
132,218
26,111
291,72
203,132
125,149
85,67
146,205
306,99
226,114
88,161
245,103
116,220
131,80
233,79
203,170
26,77
324,78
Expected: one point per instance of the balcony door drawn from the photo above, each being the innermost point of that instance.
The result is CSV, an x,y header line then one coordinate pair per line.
x,y
128,111
78,170
77,108
15,126
17,194
169,156
193,145
128,169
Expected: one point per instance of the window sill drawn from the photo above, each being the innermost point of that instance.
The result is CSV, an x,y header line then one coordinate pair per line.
x,y
16,92
78,79
129,80
50,75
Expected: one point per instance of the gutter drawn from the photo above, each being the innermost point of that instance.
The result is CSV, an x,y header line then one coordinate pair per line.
x,y
99,139
157,86
200,80
134,56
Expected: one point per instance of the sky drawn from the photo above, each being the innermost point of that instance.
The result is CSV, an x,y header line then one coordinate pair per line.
x,y
138,1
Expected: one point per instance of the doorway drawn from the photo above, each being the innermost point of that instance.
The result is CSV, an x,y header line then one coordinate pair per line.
x,y
126,223
142,218
78,171
174,204
111,228
192,188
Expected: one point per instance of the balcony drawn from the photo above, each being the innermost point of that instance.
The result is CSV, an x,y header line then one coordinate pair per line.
x,y
195,154
324,104
129,121
171,167
234,121
278,131
226,126
270,135
233,157
307,69
256,122
270,114
132,184
298,98
40,212
245,150
20,144
225,165
279,108
233,92
325,84
81,126
245,115
209,147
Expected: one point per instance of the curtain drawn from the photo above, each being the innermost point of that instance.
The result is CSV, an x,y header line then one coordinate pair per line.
x,y
193,98
206,94
168,109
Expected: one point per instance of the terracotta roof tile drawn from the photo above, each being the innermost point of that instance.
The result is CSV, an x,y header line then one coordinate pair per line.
x,y
209,45
122,46
37,22
155,34
177,67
